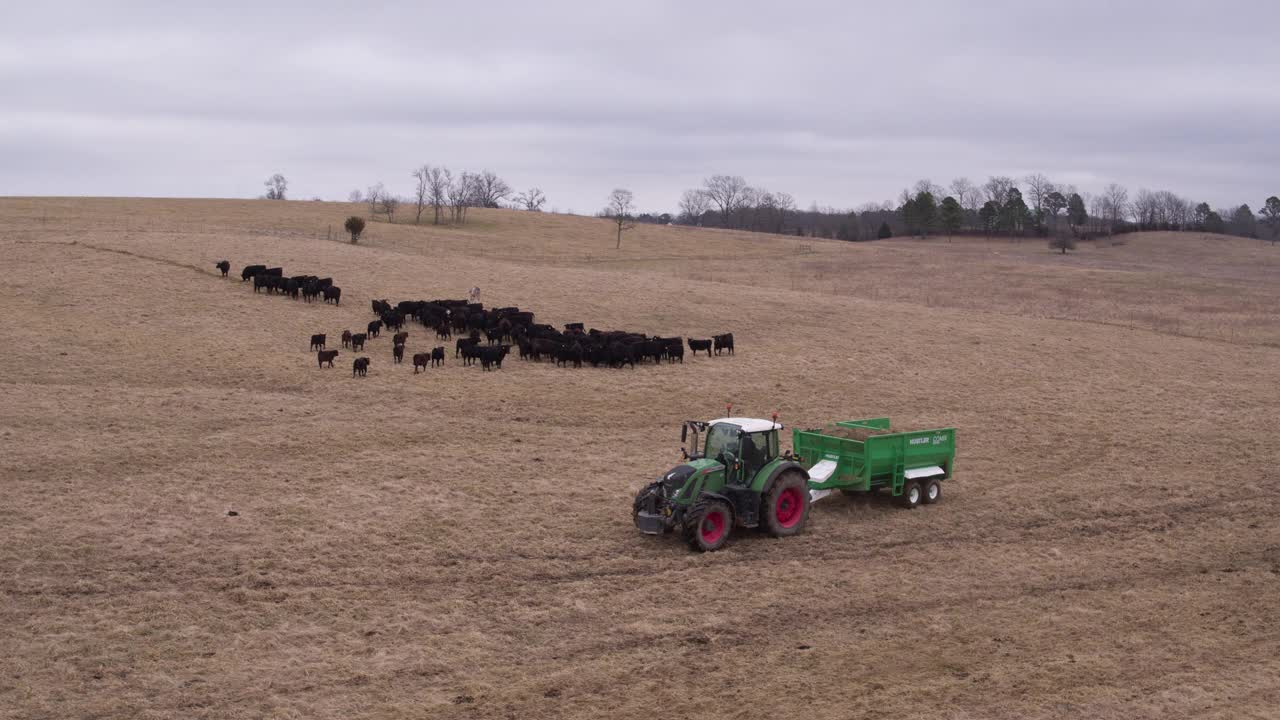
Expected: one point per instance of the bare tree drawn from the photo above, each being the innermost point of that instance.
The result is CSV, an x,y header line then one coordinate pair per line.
x,y
489,189
373,196
693,205
928,186
621,206
1145,209
531,200
1038,188
1097,209
997,188
968,194
726,193
438,182
749,207
355,196
390,203
421,191
276,186
461,192
1116,204
783,204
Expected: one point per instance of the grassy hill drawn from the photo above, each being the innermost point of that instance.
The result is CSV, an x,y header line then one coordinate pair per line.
x,y
459,543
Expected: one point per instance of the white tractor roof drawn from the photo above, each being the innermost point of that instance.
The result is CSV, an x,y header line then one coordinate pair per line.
x,y
750,424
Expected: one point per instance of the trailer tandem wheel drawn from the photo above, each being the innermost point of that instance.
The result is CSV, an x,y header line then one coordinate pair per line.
x,y
911,494
932,491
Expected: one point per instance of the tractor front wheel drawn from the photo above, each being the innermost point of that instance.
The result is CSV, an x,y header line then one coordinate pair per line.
x,y
786,506
707,526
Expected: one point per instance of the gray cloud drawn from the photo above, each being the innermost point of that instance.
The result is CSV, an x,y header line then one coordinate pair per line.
x,y
836,103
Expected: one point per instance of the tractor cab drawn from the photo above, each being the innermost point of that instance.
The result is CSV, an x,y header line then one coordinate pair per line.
x,y
742,445
735,476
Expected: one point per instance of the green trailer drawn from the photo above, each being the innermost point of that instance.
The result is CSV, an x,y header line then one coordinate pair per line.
x,y
911,465
738,477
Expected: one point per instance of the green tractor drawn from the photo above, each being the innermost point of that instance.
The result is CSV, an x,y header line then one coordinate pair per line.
x,y
737,477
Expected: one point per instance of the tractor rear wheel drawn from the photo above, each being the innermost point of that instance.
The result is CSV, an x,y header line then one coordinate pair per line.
x,y
786,505
932,492
707,526
911,495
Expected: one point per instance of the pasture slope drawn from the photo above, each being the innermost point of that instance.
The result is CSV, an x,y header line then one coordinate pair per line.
x,y
458,544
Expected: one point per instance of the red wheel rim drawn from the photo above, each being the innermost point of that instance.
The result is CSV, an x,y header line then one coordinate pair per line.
x,y
712,527
789,508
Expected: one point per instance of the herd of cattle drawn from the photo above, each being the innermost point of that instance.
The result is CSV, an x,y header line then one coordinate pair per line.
x,y
481,336
273,281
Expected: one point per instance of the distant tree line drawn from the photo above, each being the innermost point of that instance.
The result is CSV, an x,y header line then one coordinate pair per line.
x,y
1001,206
1036,207
447,196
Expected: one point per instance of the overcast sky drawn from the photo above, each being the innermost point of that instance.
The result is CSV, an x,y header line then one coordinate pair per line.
x,y
838,103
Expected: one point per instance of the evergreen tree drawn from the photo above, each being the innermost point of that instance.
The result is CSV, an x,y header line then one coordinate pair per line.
x,y
989,213
1213,223
1054,203
952,215
909,218
1202,213
885,231
926,209
1271,216
1076,214
1244,223
1015,215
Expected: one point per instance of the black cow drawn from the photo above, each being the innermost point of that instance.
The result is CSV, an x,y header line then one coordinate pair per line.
x,y
397,354
622,354
462,344
360,367
317,342
470,353
492,356
420,360
357,341
700,345
326,356
224,266
346,338
274,272
260,281
289,287
569,354
675,352
251,270
444,332
333,293
393,321
544,347
437,356
375,327
323,283
399,338
380,307
723,342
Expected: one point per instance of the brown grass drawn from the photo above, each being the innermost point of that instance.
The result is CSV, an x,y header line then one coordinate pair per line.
x,y
459,544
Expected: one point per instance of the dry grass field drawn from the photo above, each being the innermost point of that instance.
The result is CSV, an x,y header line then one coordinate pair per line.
x,y
459,544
